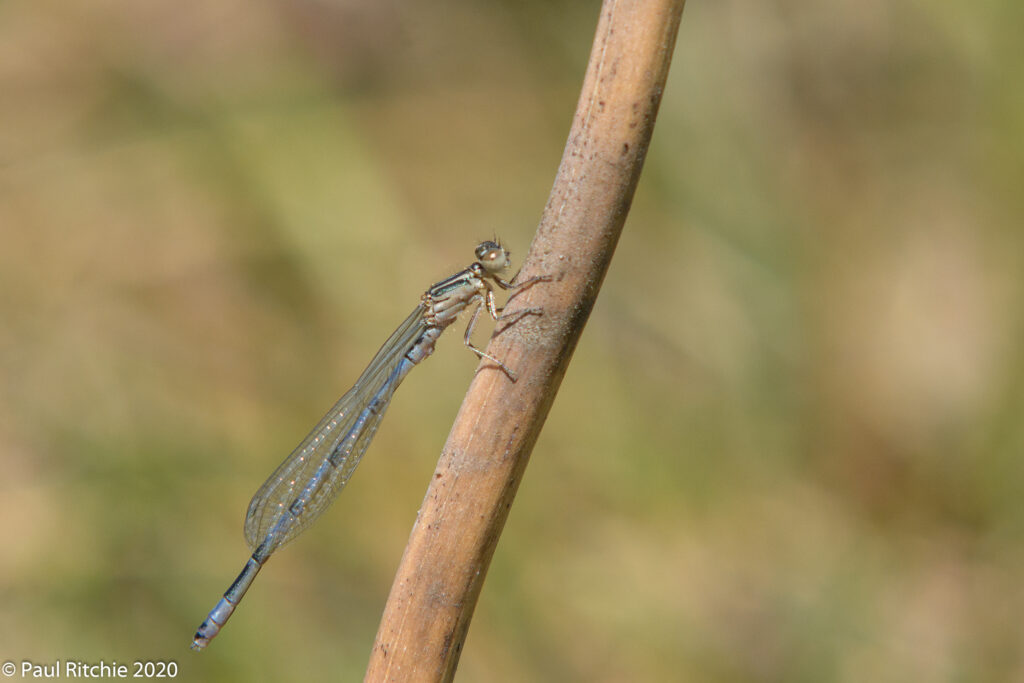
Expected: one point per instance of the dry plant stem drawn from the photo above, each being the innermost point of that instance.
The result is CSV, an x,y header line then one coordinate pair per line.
x,y
441,573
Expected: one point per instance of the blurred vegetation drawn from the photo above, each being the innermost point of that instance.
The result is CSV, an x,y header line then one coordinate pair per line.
x,y
790,444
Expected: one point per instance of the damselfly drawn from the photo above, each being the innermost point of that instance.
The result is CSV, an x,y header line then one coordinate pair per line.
x,y
309,479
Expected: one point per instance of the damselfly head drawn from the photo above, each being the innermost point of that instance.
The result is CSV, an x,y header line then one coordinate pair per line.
x,y
493,257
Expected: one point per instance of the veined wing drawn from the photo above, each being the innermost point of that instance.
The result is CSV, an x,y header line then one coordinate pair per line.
x,y
273,500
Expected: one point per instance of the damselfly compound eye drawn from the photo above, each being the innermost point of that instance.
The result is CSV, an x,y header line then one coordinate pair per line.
x,y
492,256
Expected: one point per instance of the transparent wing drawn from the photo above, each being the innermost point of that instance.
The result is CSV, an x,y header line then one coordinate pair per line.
x,y
352,420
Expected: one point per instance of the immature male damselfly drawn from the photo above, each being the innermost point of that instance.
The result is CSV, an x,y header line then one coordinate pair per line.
x,y
309,479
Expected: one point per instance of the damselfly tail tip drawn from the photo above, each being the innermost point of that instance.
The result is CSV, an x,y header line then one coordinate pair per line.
x,y
203,637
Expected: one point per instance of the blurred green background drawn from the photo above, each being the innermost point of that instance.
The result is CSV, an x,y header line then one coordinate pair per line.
x,y
789,447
